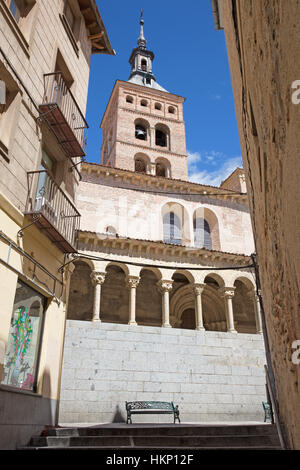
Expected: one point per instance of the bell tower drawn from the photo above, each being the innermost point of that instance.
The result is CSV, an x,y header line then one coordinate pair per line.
x,y
143,128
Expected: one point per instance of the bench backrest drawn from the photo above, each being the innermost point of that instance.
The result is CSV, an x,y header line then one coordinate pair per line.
x,y
150,405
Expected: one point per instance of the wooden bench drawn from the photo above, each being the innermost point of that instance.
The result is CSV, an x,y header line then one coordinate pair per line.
x,y
151,407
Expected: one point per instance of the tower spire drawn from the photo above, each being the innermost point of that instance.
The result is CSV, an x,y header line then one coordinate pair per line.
x,y
141,62
141,40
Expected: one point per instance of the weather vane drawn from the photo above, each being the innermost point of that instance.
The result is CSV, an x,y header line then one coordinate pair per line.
x,y
141,17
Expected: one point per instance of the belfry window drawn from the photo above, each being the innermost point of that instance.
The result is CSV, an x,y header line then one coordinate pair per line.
x,y
160,169
140,166
160,138
144,65
140,132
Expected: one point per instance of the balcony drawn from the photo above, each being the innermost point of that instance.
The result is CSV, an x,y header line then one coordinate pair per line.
x,y
61,111
52,211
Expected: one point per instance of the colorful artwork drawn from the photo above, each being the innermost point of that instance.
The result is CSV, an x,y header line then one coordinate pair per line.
x,y
22,332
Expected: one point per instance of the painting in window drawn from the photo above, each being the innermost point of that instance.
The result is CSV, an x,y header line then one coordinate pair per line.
x,y
22,352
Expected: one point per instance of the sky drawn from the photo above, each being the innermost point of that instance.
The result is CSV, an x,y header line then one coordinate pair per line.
x,y
190,60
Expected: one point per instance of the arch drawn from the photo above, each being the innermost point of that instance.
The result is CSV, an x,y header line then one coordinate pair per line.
x,y
162,135
80,305
171,110
141,129
214,278
144,103
243,305
141,163
115,294
157,106
206,229
175,223
162,167
148,298
144,64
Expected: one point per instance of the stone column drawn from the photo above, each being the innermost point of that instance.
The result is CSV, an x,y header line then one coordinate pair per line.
x,y
228,293
97,279
198,289
132,283
165,287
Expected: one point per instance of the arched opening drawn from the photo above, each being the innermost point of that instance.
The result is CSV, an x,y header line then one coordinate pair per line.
x,y
182,303
243,306
160,169
162,135
213,304
141,129
144,103
206,229
80,306
157,106
160,138
172,228
202,235
171,110
175,223
144,65
129,99
114,296
148,299
140,165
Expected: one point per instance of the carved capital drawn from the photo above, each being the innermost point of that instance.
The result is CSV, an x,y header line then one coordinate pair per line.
x,y
133,281
198,288
227,292
97,277
165,285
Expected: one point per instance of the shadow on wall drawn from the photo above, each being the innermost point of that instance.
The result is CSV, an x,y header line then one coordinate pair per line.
x,y
118,417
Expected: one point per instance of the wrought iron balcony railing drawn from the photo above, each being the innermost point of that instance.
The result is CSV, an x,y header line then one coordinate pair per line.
x,y
62,112
52,210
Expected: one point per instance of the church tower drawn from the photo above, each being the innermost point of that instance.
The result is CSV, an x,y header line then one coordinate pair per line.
x,y
143,128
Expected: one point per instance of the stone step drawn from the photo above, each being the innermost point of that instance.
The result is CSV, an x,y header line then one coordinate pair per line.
x,y
164,430
194,441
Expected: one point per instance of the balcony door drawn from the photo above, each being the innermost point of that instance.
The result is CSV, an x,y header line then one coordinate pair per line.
x,y
43,192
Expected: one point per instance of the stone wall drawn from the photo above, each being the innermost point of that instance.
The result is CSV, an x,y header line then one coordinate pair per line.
x,y
212,376
262,41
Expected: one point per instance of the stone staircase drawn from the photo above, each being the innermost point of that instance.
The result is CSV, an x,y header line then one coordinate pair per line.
x,y
153,437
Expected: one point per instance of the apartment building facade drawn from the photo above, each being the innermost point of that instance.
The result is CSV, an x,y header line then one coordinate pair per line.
x,y
45,53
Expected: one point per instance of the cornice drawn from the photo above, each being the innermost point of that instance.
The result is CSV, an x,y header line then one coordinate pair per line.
x,y
162,183
149,248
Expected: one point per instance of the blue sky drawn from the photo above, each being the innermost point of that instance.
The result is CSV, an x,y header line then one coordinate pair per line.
x,y
190,60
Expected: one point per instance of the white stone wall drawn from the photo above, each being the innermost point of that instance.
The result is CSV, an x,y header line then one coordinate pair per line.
x,y
212,376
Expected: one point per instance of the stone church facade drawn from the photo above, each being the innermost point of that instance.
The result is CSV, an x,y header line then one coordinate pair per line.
x,y
162,302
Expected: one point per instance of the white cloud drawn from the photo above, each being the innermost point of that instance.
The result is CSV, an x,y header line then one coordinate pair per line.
x,y
214,178
193,158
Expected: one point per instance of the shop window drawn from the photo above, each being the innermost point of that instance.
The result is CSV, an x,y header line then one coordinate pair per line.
x,y
22,353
